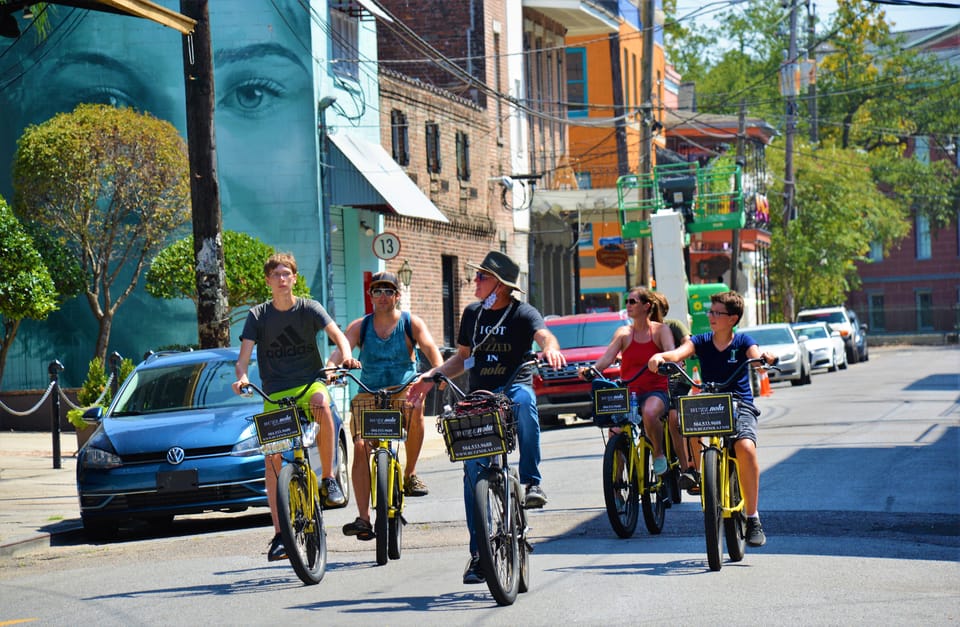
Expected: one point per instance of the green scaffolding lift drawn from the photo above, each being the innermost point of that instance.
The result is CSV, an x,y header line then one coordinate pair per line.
x,y
710,198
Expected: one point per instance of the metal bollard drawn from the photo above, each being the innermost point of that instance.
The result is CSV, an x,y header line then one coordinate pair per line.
x,y
54,369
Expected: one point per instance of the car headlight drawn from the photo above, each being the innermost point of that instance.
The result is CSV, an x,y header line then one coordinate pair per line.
x,y
94,457
246,447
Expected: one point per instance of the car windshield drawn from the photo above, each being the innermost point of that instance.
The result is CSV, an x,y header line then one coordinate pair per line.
x,y
597,333
178,387
826,316
814,333
778,335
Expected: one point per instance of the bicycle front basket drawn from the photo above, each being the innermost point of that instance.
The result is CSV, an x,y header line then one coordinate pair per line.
x,y
479,426
383,421
706,414
611,403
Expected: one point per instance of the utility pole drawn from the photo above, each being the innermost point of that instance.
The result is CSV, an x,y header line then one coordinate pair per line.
x,y
812,57
213,321
789,75
646,132
741,161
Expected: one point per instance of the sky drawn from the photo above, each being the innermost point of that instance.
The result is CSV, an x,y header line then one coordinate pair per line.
x,y
903,17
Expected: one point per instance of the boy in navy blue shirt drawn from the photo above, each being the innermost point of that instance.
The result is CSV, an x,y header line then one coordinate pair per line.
x,y
720,353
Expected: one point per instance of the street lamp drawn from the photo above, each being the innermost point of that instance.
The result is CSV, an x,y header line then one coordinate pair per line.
x,y
405,274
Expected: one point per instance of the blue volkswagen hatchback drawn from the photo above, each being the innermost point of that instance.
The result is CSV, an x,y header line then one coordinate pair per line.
x,y
177,440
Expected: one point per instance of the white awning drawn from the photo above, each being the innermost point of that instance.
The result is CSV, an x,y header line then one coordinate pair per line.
x,y
364,175
592,205
375,9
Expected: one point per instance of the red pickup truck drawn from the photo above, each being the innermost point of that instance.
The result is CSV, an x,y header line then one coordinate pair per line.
x,y
583,339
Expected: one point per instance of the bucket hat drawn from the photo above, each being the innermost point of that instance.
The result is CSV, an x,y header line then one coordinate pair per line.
x,y
500,266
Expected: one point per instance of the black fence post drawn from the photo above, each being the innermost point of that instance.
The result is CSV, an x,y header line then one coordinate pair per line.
x,y
54,369
115,361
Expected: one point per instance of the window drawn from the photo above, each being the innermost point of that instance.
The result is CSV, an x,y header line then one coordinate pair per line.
x,y
921,149
577,82
463,156
498,84
399,139
876,252
924,300
433,147
922,229
876,313
344,41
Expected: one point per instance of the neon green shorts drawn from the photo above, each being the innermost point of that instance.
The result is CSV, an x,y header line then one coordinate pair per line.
x,y
304,401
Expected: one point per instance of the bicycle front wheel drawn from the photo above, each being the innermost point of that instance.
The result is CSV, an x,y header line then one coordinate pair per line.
x,y
712,507
653,497
301,524
497,538
381,464
620,486
735,527
395,526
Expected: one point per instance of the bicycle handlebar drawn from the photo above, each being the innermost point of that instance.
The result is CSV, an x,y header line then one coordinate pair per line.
x,y
439,377
590,373
669,367
339,373
286,401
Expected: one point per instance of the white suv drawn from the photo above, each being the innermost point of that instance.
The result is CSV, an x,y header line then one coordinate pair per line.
x,y
839,319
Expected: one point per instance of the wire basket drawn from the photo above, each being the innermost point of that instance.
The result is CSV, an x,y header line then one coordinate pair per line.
x,y
479,426
383,420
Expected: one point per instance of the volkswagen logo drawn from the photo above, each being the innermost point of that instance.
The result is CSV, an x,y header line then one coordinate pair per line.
x,y
175,455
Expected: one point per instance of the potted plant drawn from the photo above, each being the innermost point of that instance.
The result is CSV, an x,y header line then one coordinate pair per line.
x,y
94,392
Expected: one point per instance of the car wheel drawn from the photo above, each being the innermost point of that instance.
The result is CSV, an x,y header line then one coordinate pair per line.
x,y
549,420
852,355
843,358
866,353
100,529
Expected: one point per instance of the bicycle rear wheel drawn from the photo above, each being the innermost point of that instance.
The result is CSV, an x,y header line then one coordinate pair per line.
x,y
395,525
381,460
620,487
653,498
523,545
497,538
712,514
301,529
735,527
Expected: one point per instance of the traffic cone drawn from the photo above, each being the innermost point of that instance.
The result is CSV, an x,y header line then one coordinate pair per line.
x,y
765,384
696,379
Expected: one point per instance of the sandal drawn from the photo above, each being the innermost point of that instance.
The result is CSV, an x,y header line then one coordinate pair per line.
x,y
360,528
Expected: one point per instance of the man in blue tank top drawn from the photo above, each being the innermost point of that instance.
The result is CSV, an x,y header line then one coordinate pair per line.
x,y
387,339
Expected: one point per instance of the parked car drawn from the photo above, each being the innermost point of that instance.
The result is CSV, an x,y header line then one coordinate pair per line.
x,y
840,318
583,338
860,336
825,345
780,339
177,440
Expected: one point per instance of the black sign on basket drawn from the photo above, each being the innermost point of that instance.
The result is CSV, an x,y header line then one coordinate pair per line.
x,y
473,436
706,414
278,424
381,424
610,401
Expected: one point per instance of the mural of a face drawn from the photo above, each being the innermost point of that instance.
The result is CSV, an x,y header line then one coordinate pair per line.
x,y
266,135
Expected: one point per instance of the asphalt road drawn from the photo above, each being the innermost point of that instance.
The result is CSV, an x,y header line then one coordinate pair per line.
x,y
860,498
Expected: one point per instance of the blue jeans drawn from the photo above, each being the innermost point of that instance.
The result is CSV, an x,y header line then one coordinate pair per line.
x,y
528,436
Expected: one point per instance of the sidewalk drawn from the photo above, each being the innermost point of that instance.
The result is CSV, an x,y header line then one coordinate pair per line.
x,y
36,499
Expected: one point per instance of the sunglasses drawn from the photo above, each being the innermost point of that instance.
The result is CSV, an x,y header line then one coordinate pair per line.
x,y
718,313
634,301
482,276
383,291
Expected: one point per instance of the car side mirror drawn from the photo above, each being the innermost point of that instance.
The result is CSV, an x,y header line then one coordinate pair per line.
x,y
802,338
93,414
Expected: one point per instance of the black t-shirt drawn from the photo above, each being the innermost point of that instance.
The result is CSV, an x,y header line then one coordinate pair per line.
x,y
499,340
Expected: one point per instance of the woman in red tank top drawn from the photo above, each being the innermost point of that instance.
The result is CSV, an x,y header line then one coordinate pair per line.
x,y
635,344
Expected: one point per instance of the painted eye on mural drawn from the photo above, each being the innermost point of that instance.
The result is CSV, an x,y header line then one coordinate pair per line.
x,y
253,97
106,95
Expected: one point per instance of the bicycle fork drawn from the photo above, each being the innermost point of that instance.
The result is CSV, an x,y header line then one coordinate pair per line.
x,y
726,461
393,509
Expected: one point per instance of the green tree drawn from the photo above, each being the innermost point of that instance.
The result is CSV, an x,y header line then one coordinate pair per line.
x,y
109,185
26,287
841,214
171,274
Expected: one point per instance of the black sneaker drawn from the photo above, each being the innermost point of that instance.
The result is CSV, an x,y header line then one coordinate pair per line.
x,y
755,536
277,551
535,498
473,573
689,478
334,497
